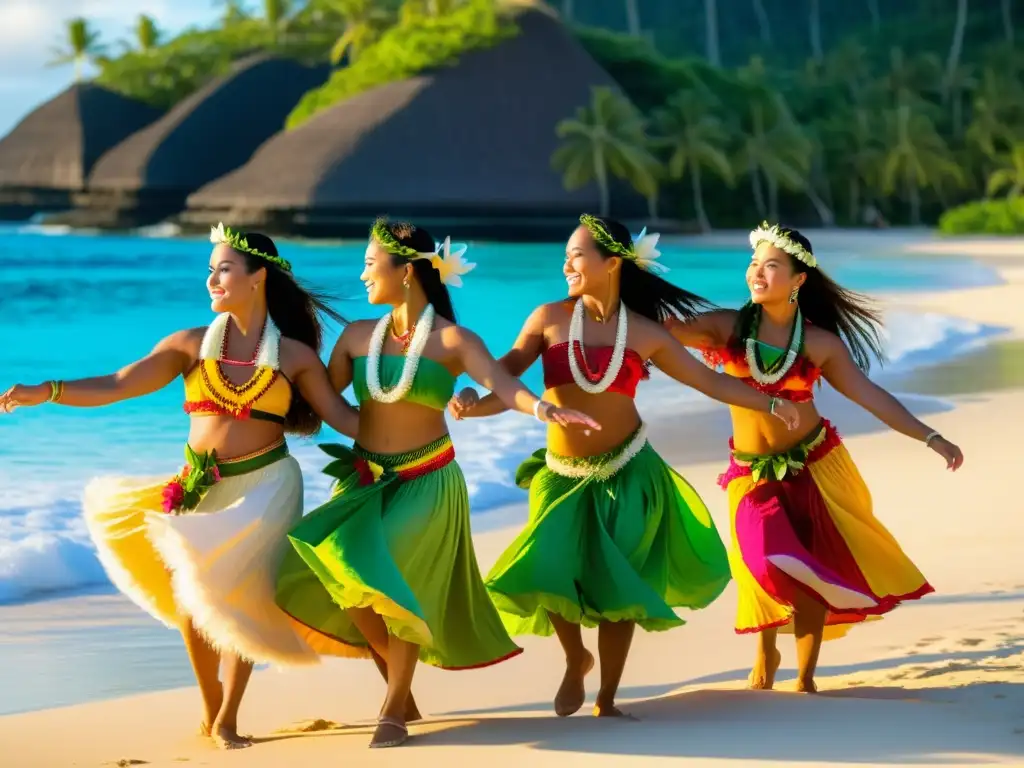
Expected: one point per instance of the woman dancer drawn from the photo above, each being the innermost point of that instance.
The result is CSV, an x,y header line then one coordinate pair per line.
x,y
393,546
199,552
615,537
807,552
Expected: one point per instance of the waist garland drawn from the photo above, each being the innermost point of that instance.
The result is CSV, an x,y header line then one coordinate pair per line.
x,y
383,467
202,471
604,466
775,466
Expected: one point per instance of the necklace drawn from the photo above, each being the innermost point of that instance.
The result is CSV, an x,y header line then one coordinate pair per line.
x,y
618,352
420,333
403,338
225,360
777,372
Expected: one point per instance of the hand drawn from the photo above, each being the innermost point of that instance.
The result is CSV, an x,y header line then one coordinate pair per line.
x,y
20,394
463,402
787,412
564,417
951,453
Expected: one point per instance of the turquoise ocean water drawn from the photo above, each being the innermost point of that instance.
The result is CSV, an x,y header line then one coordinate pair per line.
x,y
74,305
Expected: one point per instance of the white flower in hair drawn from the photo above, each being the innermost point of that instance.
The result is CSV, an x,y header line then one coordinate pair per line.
x,y
218,236
776,236
449,264
646,249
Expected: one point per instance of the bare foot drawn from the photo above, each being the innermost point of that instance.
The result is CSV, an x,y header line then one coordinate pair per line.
x,y
572,693
610,710
806,686
390,732
762,677
228,738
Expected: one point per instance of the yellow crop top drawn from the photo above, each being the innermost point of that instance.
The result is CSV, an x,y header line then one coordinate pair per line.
x,y
267,395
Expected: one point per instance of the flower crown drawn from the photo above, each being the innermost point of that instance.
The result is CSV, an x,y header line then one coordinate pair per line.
x,y
443,258
221,235
643,251
780,238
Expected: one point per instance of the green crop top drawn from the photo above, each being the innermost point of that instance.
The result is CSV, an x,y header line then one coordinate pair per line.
x,y
433,386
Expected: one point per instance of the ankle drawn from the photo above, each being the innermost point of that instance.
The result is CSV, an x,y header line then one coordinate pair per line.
x,y
605,699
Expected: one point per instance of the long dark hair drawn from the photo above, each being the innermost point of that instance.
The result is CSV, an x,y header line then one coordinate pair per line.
x,y
422,241
851,316
644,292
298,312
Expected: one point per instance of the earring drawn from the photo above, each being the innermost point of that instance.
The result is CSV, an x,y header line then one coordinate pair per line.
x,y
792,295
405,284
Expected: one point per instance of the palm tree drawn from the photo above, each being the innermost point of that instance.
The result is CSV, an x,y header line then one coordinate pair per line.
x,y
815,23
916,157
633,17
955,49
365,21
1010,175
711,32
275,14
606,138
695,137
83,45
850,140
146,33
234,11
1007,14
763,24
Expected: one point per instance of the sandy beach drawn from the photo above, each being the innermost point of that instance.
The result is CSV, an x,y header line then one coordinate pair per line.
x,y
937,682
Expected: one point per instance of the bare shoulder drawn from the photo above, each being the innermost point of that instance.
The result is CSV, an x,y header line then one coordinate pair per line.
x,y
720,321
297,352
453,335
187,341
821,345
355,339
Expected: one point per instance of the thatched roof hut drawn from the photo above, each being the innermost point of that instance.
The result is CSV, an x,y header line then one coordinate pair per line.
x,y
51,152
215,130
471,143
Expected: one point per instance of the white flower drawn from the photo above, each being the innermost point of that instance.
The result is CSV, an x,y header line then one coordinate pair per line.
x,y
449,264
646,249
218,236
775,236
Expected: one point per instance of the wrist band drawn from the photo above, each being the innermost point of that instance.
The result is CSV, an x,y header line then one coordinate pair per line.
x,y
56,391
536,409
931,436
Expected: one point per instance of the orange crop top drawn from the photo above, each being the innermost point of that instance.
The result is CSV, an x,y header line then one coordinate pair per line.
x,y
267,395
557,371
797,385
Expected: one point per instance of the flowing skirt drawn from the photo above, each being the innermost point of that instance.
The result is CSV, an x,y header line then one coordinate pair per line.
x,y
802,520
616,537
395,537
215,563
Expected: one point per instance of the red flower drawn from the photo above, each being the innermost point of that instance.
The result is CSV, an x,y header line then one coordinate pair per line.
x,y
173,495
216,473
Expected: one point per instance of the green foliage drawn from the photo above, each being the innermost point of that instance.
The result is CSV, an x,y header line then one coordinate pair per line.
x,y
82,44
985,217
418,42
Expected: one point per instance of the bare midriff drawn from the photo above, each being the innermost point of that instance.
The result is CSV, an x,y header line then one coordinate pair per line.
x,y
762,433
398,427
617,415
231,437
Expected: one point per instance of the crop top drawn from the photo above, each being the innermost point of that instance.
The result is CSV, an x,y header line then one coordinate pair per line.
x,y
266,396
797,385
433,385
557,371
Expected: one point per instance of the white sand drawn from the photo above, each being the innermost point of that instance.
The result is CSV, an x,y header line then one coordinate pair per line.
x,y
937,682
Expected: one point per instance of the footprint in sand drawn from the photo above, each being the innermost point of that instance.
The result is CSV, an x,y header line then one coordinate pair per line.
x,y
127,761
311,726
927,641
970,642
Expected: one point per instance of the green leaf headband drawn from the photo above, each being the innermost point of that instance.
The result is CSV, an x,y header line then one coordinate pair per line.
x,y
443,258
780,238
643,252
221,235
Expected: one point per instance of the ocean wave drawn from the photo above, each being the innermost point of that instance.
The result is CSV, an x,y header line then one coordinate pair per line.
x,y
44,547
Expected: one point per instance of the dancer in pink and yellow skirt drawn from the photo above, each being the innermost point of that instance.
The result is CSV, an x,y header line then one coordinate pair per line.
x,y
807,553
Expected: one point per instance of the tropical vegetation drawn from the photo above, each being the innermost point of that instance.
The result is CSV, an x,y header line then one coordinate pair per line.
x,y
852,113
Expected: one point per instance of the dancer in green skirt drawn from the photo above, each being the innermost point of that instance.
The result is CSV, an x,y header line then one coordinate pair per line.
x,y
615,537
393,547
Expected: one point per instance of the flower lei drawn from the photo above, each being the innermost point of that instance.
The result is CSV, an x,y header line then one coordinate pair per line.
x,y
412,360
221,235
618,351
444,258
780,238
186,489
642,250
778,371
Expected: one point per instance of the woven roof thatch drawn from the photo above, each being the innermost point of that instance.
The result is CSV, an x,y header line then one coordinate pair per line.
x,y
56,145
475,139
213,131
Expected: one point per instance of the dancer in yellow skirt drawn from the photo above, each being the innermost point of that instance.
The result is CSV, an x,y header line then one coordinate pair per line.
x,y
387,565
616,538
200,551
807,553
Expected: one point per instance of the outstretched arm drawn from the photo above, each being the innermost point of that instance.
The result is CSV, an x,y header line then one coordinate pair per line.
x,y
170,358
312,381
706,331
842,372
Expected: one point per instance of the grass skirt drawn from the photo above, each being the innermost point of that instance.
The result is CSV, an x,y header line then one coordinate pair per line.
x,y
395,537
802,520
215,564
617,537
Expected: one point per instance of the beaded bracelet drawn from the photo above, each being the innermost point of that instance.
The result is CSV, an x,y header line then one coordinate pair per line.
x,y
56,391
931,436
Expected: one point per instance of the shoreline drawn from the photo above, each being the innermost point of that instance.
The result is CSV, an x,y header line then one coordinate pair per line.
x,y
974,622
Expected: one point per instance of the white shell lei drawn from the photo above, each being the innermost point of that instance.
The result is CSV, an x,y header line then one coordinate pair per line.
x,y
767,379
618,351
579,470
269,347
412,360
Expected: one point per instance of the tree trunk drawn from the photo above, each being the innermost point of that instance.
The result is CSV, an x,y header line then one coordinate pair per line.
x,y
876,16
1007,20
633,17
955,49
816,50
755,184
958,114
711,32
567,11
824,212
698,198
763,24
915,200
601,174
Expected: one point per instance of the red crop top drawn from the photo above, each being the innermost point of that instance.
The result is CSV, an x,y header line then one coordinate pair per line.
x,y
557,372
